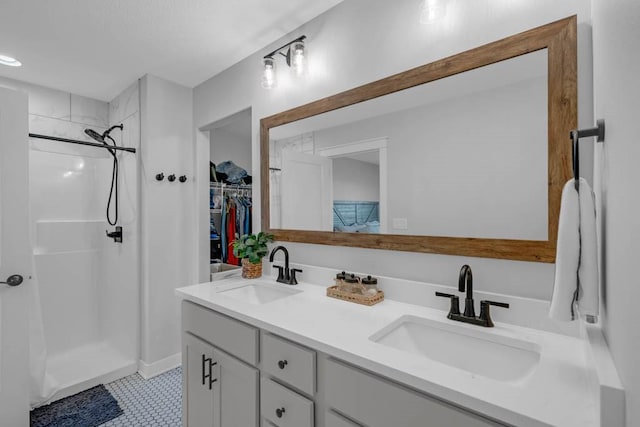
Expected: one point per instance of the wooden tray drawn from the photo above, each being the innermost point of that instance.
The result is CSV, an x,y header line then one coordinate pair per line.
x,y
334,292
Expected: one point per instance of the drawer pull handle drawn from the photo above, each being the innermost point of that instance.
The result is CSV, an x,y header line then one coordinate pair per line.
x,y
282,363
279,412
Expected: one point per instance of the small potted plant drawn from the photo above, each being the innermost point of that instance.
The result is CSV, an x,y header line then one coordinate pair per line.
x,y
252,248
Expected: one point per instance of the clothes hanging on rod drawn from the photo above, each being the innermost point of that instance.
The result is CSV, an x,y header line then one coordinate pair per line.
x,y
236,216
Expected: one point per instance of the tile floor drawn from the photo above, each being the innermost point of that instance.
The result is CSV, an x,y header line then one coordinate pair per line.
x,y
155,402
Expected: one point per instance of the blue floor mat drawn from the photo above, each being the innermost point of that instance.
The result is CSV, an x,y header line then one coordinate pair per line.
x,y
89,408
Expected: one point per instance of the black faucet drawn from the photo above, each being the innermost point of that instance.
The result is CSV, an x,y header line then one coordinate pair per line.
x,y
465,282
284,274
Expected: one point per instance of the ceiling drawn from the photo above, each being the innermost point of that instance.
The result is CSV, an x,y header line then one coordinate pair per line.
x,y
97,48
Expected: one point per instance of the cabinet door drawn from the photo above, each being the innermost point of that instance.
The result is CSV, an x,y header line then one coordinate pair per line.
x,y
198,383
238,399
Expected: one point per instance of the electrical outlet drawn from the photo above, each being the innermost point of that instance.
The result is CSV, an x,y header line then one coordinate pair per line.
x,y
400,223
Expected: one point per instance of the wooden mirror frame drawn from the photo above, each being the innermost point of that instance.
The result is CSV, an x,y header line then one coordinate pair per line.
x,y
559,38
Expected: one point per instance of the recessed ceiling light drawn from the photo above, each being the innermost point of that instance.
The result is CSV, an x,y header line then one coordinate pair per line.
x,y
11,62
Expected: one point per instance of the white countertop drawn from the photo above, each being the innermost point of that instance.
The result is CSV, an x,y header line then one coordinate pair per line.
x,y
560,391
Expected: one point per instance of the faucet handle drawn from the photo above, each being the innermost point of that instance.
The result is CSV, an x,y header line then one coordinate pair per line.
x,y
485,313
292,277
454,309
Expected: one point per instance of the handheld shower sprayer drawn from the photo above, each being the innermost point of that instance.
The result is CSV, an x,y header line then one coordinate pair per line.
x,y
114,173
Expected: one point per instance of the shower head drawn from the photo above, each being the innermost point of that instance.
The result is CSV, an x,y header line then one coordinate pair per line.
x,y
95,135
101,138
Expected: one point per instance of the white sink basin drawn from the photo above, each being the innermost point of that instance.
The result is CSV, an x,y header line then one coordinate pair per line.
x,y
257,292
471,348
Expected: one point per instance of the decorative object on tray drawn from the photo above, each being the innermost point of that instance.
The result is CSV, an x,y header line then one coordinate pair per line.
x,y
350,287
335,292
252,248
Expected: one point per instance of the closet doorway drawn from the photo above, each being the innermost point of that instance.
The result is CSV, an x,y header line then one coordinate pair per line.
x,y
230,186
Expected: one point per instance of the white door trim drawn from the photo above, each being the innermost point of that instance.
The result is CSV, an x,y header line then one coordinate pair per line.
x,y
373,144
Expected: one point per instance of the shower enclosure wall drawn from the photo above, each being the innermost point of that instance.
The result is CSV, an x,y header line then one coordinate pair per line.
x,y
86,307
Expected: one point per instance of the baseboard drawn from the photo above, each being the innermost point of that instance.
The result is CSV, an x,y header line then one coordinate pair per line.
x,y
150,370
103,378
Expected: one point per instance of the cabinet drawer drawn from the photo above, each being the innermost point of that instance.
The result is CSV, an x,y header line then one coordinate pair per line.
x,y
377,402
289,362
296,411
236,338
335,420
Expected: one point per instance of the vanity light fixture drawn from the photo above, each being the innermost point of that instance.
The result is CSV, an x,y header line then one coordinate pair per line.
x,y
269,73
295,58
11,62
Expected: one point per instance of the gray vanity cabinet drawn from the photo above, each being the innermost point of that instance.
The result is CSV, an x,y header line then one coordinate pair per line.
x,y
376,402
219,390
232,378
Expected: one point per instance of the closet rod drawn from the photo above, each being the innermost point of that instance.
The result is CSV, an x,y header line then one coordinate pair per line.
x,y
75,141
231,186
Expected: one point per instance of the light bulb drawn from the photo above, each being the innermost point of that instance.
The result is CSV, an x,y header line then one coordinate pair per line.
x,y
269,73
11,62
298,59
432,10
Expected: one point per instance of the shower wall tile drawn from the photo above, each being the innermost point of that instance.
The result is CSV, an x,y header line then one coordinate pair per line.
x,y
48,102
43,101
89,111
63,129
125,104
120,264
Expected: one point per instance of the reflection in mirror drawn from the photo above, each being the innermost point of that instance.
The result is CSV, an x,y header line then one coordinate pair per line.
x,y
462,146
463,156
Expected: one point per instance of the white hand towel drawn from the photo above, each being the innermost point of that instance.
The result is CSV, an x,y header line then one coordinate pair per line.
x,y
589,295
576,278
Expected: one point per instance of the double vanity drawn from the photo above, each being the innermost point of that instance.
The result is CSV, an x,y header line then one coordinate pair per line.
x,y
261,353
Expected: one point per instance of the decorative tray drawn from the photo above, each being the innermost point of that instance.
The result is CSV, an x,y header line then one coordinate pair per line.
x,y
334,292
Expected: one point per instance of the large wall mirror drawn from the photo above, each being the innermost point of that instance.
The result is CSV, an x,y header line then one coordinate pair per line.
x,y
465,156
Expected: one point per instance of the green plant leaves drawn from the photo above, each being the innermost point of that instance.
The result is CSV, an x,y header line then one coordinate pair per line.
x,y
252,246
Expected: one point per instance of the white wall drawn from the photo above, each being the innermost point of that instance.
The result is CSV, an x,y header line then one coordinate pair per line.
x,y
444,176
360,41
616,58
167,216
355,180
231,143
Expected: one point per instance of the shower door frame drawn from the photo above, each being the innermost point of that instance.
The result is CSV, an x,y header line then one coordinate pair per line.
x,y
14,258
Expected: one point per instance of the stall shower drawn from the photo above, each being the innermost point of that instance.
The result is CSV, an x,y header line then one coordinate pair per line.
x,y
85,305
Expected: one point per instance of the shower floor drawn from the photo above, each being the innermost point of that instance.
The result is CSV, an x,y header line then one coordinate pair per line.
x,y
87,366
